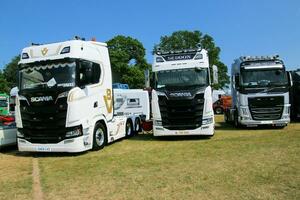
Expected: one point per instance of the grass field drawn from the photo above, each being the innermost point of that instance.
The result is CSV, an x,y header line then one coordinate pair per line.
x,y
234,164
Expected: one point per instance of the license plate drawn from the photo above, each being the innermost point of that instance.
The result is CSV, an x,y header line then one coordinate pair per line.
x,y
45,149
266,122
181,132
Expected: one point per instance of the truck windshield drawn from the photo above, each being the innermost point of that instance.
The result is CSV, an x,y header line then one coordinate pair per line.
x,y
264,78
58,74
182,78
3,103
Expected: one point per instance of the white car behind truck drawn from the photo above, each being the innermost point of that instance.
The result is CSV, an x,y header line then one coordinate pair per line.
x,y
8,134
260,92
8,131
65,99
182,94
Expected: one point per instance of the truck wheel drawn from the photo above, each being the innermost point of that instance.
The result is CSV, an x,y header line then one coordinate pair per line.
x,y
218,110
226,117
236,121
137,125
100,137
129,128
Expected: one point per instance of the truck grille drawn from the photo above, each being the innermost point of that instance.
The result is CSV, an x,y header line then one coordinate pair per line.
x,y
266,108
181,114
44,124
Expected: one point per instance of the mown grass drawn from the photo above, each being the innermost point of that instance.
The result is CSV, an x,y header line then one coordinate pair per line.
x,y
234,164
15,175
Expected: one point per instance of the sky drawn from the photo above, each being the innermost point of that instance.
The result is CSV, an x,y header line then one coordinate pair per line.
x,y
239,27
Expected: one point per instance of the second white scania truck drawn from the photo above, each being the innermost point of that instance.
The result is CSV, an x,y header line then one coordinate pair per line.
x,y
65,101
182,94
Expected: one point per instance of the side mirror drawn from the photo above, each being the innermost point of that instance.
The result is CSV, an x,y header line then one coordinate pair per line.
x,y
237,81
215,74
152,80
290,79
147,78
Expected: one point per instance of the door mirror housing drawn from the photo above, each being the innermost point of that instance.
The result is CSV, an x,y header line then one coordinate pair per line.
x,y
237,81
215,74
290,79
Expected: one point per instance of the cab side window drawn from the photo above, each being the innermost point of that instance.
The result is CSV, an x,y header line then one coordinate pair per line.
x,y
89,73
96,73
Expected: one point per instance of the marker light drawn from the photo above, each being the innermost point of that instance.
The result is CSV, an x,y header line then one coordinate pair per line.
x,y
198,56
65,50
25,56
159,59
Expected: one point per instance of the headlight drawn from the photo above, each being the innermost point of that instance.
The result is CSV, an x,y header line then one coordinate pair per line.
x,y
286,110
157,123
244,111
74,133
207,121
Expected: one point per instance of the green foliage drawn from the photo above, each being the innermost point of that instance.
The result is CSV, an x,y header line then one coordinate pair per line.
x,y
8,78
10,72
127,57
188,40
3,84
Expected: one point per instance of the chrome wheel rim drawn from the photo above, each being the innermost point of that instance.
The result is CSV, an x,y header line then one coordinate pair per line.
x,y
137,127
99,137
128,127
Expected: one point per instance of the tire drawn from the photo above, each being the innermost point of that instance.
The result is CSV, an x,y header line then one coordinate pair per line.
x,y
100,137
218,110
226,117
137,126
129,129
236,121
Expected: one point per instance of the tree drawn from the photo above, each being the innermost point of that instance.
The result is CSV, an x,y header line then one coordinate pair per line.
x,y
10,72
3,84
127,57
190,39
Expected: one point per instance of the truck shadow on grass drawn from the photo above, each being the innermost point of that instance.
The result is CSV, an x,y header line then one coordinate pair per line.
x,y
13,151
150,137
228,127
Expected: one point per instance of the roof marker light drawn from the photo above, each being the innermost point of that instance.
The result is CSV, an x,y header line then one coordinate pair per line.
x,y
25,56
65,50
198,56
159,59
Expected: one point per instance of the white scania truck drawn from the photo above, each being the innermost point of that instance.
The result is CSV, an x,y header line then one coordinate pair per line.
x,y
182,95
260,92
65,99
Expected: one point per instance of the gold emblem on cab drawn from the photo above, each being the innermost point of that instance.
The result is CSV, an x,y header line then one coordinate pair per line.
x,y
44,51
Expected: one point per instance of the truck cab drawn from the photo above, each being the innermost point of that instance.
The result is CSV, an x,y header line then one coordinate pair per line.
x,y
295,95
260,92
182,94
65,98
